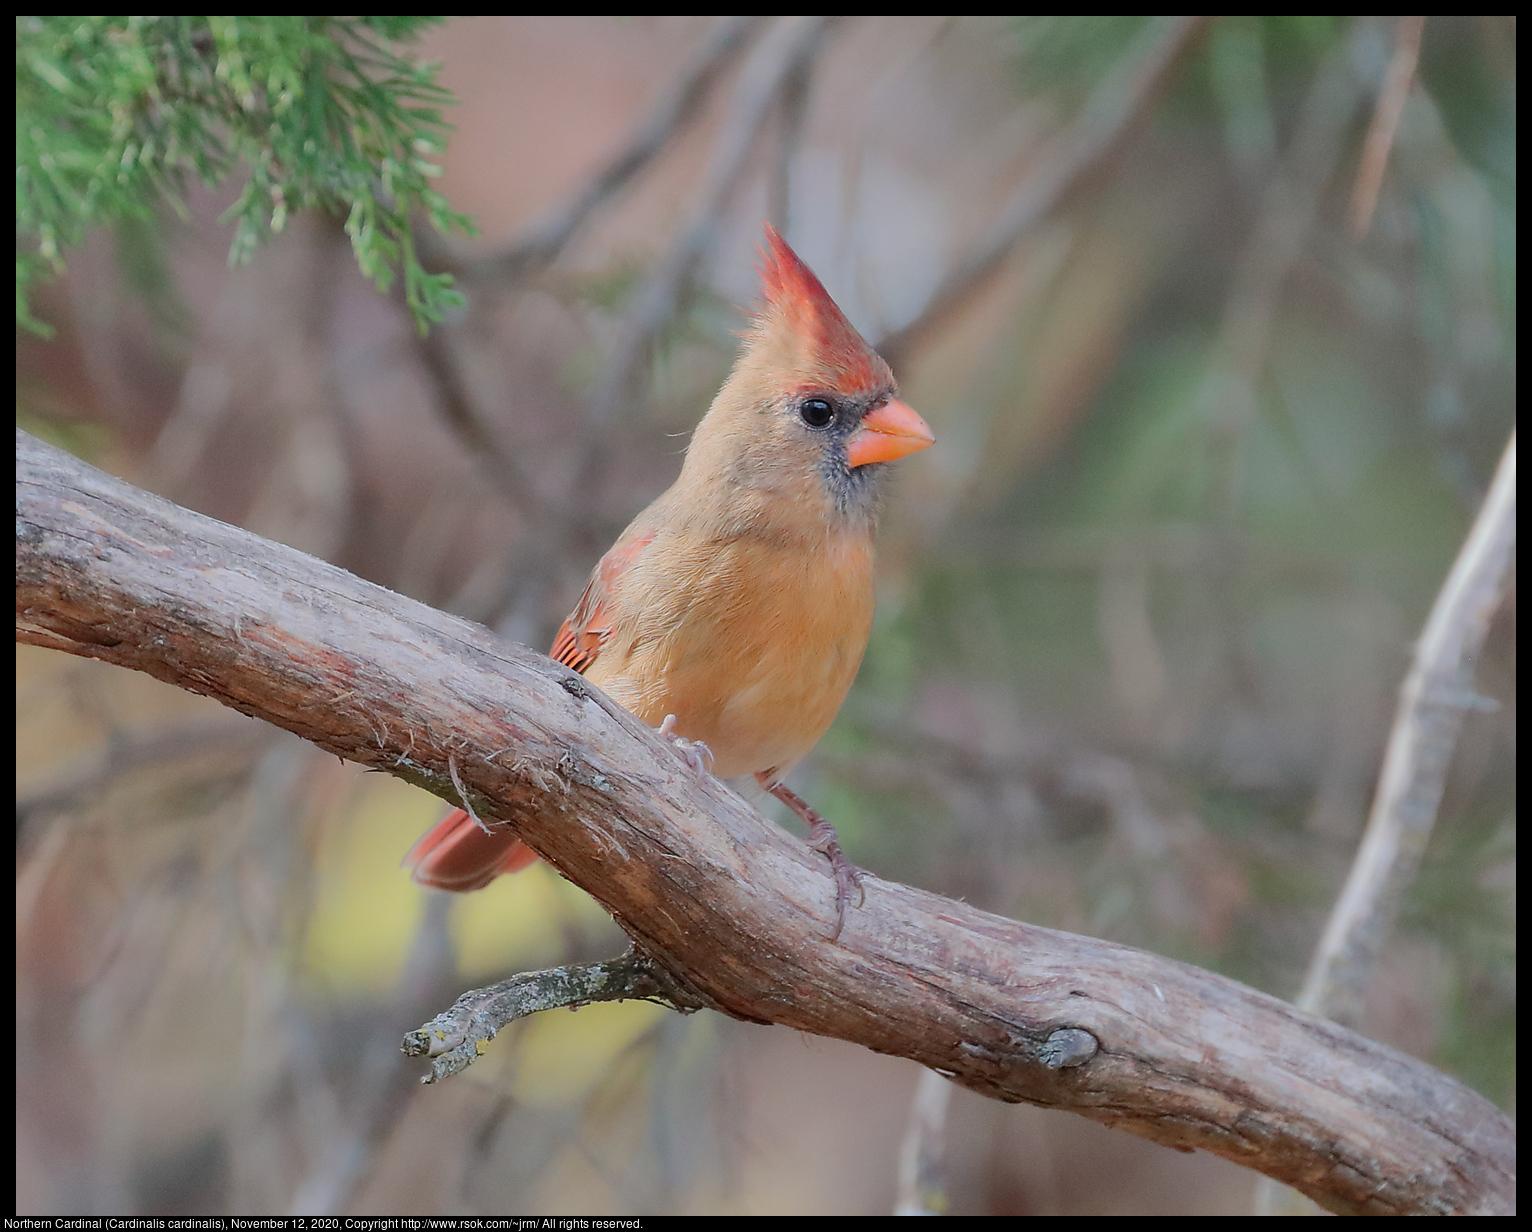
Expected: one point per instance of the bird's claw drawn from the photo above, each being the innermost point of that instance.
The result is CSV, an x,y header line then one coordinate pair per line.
x,y
823,839
697,754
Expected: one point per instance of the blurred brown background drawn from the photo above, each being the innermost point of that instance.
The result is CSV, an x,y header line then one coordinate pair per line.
x,y
1204,457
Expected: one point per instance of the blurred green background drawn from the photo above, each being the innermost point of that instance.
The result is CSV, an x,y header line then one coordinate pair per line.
x,y
1204,456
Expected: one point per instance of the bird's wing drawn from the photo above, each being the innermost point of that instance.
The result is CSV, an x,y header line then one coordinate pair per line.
x,y
587,628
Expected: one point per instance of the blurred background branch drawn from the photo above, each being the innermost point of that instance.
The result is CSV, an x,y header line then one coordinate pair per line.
x,y
1435,697
1140,632
1122,97
1387,113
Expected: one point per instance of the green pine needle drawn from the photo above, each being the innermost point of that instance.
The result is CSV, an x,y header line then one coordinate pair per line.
x,y
114,114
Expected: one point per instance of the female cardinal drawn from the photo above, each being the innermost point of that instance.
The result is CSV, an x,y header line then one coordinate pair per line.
x,y
734,610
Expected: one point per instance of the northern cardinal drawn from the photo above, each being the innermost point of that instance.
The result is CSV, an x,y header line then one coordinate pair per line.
x,y
734,610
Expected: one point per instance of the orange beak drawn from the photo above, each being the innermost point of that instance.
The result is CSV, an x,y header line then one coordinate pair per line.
x,y
888,432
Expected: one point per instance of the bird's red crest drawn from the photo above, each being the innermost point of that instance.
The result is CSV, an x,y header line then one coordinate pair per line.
x,y
797,299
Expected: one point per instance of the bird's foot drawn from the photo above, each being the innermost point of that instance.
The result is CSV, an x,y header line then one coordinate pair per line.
x,y
824,839
698,756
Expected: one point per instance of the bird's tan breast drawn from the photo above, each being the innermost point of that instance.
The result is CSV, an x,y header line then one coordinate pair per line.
x,y
751,644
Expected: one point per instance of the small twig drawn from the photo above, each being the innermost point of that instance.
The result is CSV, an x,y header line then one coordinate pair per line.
x,y
1108,116
1385,124
463,794
1432,703
456,1038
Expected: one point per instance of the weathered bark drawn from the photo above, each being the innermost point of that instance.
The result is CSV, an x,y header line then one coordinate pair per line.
x,y
735,909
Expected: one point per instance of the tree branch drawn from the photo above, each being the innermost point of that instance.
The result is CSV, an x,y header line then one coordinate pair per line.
x,y
736,912
1107,118
1432,702
454,1039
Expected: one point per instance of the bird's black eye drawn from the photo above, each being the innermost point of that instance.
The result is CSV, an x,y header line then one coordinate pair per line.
x,y
816,412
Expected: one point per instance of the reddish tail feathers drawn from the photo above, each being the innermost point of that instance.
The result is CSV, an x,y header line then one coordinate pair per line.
x,y
459,854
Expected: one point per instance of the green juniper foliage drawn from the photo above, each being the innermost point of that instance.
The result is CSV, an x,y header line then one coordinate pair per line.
x,y
114,113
